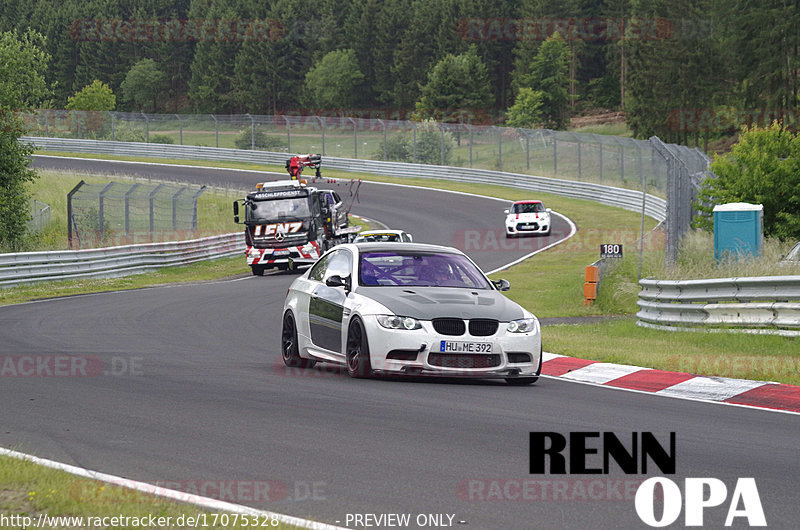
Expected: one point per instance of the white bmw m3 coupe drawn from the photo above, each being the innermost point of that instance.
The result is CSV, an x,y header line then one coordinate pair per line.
x,y
407,308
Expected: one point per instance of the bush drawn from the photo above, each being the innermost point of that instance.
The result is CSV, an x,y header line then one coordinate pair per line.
x,y
261,141
398,149
428,147
127,132
161,139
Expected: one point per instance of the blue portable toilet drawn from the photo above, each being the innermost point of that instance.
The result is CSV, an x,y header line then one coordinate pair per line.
x,y
738,229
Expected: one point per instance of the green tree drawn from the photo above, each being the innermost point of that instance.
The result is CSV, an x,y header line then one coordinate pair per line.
x,y
144,85
332,82
457,84
549,74
22,85
268,72
430,34
97,96
674,69
527,109
762,168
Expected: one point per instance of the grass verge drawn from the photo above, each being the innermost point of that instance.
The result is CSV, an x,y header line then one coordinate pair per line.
x,y
31,490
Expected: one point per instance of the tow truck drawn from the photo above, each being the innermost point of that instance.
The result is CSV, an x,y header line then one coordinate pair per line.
x,y
289,223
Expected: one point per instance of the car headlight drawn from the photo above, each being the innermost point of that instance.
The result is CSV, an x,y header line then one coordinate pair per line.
x,y
398,322
523,325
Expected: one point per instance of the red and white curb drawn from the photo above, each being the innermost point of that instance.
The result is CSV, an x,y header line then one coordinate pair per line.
x,y
757,394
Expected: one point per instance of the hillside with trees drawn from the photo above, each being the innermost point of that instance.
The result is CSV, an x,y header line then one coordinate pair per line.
x,y
687,71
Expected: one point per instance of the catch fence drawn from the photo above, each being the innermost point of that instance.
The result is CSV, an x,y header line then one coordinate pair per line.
x,y
666,170
115,213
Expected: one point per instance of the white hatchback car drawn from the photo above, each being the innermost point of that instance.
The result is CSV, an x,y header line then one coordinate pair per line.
x,y
528,217
408,308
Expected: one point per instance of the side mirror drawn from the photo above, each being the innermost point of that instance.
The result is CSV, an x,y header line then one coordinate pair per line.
x,y
548,210
338,281
502,285
506,212
235,211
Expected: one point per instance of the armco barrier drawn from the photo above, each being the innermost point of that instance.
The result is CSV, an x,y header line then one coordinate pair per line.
x,y
29,267
769,304
655,207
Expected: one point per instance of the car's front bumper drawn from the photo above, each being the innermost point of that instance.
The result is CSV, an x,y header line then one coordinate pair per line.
x,y
541,226
422,355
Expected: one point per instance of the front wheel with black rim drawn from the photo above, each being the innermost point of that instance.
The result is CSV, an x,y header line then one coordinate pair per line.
x,y
521,381
289,347
357,352
258,270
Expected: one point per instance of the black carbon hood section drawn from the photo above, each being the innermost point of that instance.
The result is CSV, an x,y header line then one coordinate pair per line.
x,y
426,303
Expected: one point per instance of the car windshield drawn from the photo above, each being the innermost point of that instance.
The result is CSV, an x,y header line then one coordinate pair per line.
x,y
377,238
279,209
528,207
419,269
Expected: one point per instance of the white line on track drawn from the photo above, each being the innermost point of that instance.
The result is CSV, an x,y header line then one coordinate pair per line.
x,y
179,496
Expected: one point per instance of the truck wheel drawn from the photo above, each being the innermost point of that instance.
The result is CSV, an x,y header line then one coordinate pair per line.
x,y
258,270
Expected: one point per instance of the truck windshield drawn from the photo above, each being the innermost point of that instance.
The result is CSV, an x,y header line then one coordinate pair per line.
x,y
278,209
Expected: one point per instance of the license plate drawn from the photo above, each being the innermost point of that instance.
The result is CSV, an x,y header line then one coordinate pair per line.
x,y
280,252
452,346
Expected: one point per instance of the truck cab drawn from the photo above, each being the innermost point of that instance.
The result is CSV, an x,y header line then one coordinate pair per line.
x,y
288,223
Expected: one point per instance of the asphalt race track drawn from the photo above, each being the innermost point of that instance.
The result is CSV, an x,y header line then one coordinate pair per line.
x,y
185,386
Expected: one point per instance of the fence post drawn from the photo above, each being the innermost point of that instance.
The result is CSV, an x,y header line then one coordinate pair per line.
x,y
194,206
441,143
580,167
175,208
152,209
252,132
414,145
527,150
128,208
622,162
113,126
499,148
601,161
355,137
101,213
322,126
288,133
470,144
555,153
180,126
70,221
147,127
216,129
384,136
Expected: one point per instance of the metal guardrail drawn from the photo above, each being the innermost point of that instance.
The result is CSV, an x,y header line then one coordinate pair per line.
x,y
655,207
769,304
29,267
